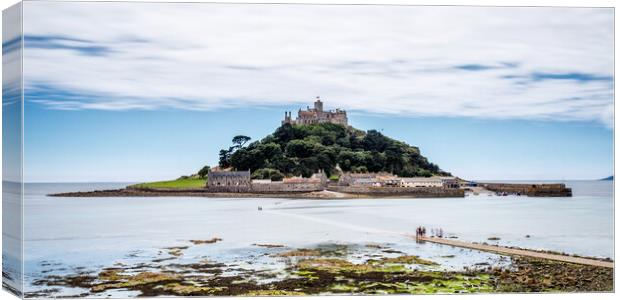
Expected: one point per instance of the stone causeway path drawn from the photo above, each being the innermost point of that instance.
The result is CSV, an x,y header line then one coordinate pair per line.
x,y
520,252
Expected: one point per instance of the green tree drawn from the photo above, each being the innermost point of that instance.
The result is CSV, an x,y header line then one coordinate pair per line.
x,y
225,158
202,173
375,141
240,140
305,149
300,148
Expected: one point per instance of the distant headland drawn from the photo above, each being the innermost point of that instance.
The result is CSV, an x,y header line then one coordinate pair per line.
x,y
319,155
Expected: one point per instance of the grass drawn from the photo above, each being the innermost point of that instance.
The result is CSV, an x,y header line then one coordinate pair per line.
x,y
181,183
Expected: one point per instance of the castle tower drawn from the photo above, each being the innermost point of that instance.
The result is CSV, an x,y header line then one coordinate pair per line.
x,y
318,105
287,118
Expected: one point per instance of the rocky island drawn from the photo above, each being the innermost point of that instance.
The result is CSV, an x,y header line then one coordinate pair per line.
x,y
319,155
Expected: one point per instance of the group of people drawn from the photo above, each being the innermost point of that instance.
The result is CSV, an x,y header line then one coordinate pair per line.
x,y
420,231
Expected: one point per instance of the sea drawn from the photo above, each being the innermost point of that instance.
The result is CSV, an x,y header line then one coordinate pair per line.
x,y
92,233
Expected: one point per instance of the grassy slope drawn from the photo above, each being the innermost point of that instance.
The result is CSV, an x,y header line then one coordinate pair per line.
x,y
188,183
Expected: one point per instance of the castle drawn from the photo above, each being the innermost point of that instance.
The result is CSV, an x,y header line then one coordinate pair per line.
x,y
317,115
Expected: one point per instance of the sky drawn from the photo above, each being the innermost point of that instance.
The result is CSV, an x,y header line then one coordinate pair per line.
x,y
149,91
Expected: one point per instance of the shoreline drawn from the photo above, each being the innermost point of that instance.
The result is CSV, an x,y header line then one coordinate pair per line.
x,y
335,192
325,194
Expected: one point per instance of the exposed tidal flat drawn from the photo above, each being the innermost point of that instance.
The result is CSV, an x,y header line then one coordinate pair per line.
x,y
108,247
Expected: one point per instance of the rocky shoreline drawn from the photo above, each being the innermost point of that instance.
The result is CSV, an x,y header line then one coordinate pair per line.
x,y
323,270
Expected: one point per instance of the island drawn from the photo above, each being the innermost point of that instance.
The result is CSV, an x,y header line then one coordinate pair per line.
x,y
319,155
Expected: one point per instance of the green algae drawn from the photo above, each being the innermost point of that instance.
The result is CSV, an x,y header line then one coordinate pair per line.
x,y
441,285
131,281
110,274
307,274
328,270
408,259
390,265
188,290
299,252
391,276
329,250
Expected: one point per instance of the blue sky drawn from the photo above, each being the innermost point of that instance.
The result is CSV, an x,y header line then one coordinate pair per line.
x,y
151,145
144,91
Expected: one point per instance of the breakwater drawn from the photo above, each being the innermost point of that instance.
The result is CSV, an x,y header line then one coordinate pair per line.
x,y
416,192
532,190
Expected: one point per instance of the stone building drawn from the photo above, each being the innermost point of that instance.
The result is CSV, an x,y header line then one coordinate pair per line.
x,y
317,182
421,182
241,182
450,182
384,179
319,178
229,181
317,115
349,178
435,181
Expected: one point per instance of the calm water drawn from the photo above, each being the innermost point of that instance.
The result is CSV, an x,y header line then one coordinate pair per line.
x,y
97,232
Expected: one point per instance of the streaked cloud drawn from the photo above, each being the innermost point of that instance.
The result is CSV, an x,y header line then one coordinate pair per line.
x,y
514,63
83,47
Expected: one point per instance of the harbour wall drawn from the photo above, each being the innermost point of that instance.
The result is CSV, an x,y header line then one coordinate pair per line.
x,y
532,190
282,187
229,189
419,192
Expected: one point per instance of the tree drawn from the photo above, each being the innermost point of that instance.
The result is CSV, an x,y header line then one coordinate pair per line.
x,y
204,171
244,159
300,148
240,140
269,150
305,149
284,134
377,161
224,158
375,141
225,155
346,159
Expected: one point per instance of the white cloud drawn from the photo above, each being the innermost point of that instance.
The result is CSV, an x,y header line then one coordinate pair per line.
x,y
533,63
